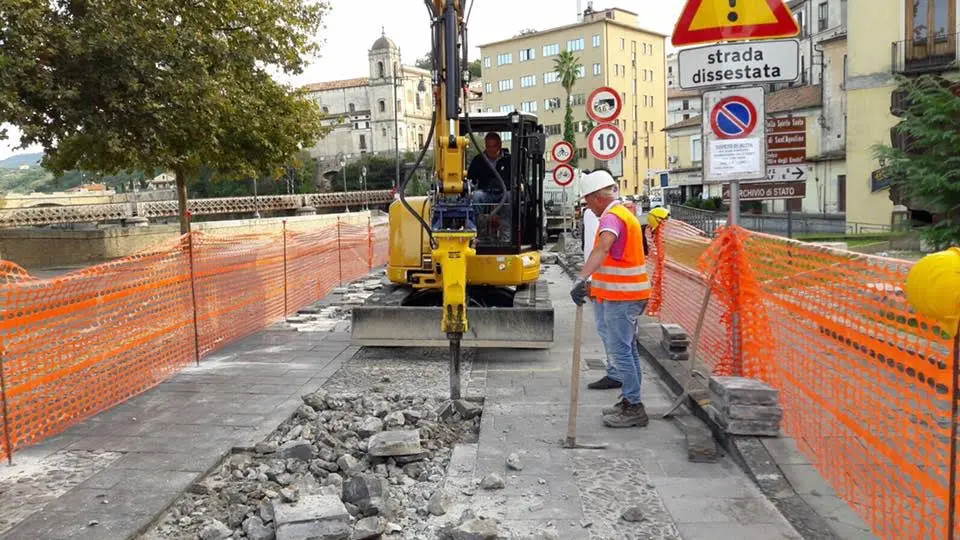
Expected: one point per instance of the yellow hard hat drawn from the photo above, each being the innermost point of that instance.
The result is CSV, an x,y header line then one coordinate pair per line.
x,y
933,286
657,216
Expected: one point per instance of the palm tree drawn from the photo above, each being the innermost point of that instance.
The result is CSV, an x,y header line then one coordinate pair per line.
x,y
568,69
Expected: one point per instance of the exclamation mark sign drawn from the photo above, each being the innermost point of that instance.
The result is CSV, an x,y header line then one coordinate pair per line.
x,y
732,16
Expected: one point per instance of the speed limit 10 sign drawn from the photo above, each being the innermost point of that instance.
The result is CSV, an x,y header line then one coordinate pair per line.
x,y
605,142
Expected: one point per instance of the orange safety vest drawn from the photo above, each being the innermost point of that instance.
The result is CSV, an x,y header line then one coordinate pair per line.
x,y
626,279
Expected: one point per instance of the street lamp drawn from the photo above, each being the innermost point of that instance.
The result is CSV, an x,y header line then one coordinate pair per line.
x,y
343,166
363,178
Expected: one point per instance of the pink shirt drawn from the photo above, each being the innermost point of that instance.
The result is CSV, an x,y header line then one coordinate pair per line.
x,y
611,222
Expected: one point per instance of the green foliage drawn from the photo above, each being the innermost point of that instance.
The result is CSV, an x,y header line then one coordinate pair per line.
x,y
713,204
567,67
927,171
107,86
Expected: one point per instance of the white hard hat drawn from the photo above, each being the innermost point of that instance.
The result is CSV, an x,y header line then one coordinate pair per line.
x,y
595,181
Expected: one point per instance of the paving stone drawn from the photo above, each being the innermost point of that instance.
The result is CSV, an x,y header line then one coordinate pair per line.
x,y
743,391
316,516
395,443
752,412
755,428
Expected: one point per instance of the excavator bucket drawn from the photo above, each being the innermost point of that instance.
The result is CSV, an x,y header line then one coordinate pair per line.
x,y
383,321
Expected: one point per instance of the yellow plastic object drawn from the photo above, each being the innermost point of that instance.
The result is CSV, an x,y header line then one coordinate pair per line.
x,y
453,249
657,216
933,286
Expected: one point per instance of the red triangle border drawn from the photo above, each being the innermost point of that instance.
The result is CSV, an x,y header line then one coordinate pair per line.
x,y
786,26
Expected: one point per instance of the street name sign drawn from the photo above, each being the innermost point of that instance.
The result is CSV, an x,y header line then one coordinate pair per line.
x,y
734,135
711,21
604,104
787,173
739,63
563,175
605,141
562,152
787,141
768,191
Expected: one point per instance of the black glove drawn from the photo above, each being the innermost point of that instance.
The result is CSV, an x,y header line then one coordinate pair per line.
x,y
579,292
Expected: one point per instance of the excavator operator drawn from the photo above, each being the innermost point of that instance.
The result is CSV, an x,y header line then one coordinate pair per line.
x,y
488,191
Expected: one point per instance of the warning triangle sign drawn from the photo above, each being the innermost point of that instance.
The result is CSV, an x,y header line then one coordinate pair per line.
x,y
710,21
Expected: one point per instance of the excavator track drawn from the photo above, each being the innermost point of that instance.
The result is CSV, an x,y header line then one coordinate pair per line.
x,y
385,321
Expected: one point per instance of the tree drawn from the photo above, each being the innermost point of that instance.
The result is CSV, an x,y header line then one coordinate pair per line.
x,y
925,166
568,68
426,62
108,86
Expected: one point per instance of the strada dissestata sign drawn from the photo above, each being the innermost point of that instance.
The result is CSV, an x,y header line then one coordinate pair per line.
x,y
747,63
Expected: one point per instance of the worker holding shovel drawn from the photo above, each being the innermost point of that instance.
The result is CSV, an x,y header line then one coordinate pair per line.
x,y
619,283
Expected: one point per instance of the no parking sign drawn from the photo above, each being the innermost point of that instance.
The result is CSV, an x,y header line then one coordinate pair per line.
x,y
735,135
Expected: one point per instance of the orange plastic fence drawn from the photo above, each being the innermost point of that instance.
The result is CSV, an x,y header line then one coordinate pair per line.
x,y
865,383
75,345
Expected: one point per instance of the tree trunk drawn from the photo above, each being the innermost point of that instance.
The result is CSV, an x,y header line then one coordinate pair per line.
x,y
182,200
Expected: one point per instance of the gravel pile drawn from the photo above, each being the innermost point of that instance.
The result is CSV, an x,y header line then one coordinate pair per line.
x,y
345,466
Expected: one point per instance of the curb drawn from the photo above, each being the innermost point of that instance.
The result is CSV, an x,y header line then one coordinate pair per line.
x,y
748,452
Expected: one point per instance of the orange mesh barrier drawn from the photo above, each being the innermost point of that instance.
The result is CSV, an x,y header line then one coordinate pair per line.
x,y
865,383
78,344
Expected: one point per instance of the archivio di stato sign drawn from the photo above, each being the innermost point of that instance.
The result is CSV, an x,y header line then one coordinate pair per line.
x,y
743,63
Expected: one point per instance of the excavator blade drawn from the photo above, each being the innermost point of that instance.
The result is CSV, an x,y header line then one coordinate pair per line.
x,y
383,322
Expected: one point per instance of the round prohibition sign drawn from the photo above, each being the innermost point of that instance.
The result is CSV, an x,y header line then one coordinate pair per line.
x,y
734,117
562,152
605,141
604,104
563,175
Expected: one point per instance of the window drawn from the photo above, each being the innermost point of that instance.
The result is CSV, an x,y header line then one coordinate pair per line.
x,y
352,108
623,44
399,108
823,16
326,110
380,69
581,72
551,77
486,61
696,149
686,116
419,102
420,139
843,12
505,58
528,106
616,69
801,24
551,50
489,109
634,87
844,85
527,81
596,69
488,88
633,46
577,99
635,113
505,85
552,129
575,45
931,21
551,103
363,142
507,108
596,40
383,131
581,153
527,54
685,105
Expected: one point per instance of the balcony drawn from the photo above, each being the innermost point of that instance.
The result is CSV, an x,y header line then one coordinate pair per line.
x,y
918,56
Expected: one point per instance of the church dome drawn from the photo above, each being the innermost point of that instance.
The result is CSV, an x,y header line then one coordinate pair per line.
x,y
383,42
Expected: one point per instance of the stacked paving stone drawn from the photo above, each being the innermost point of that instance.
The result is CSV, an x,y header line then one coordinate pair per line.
x,y
675,342
746,406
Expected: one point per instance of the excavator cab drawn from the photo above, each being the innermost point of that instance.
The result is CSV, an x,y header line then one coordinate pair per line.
x,y
518,225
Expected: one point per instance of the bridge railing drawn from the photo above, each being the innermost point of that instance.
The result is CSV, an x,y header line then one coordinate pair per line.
x,y
84,213
866,384
78,344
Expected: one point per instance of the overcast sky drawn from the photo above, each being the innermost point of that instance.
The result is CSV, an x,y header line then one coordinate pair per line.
x,y
353,25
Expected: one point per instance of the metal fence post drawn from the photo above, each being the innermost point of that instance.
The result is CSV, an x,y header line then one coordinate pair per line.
x,y
369,243
6,416
954,398
193,295
339,252
285,309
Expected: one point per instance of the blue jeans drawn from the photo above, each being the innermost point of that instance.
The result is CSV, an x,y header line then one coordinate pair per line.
x,y
617,324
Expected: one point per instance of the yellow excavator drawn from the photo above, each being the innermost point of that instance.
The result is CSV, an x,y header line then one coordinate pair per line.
x,y
465,270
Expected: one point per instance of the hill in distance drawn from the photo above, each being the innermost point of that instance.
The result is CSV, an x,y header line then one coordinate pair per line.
x,y
16,160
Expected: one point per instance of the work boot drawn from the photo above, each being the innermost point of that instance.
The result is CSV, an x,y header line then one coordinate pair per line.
x,y
617,407
606,383
628,416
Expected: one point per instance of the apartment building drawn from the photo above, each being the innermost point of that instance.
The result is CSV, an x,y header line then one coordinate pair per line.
x,y
518,74
888,38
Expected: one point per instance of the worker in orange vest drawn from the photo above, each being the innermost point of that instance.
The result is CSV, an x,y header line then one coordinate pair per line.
x,y
620,287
